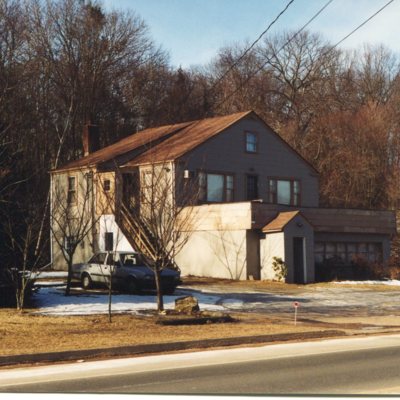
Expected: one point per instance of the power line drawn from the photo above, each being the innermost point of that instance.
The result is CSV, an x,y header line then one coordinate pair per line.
x,y
252,45
280,49
297,33
362,24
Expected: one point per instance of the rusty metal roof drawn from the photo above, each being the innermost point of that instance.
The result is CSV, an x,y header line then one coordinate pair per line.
x,y
133,142
187,139
164,143
280,221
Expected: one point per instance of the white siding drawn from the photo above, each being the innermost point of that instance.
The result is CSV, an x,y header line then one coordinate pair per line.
x,y
108,224
272,246
218,254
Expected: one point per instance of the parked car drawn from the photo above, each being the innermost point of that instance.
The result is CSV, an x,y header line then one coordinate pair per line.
x,y
128,271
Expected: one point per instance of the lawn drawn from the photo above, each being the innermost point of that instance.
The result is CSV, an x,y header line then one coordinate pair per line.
x,y
28,333
80,321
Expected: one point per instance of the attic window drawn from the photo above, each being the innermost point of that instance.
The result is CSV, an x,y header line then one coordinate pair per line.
x,y
251,142
106,185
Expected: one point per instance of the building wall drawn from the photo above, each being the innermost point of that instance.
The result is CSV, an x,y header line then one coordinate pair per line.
x,y
226,153
65,223
107,223
271,245
219,254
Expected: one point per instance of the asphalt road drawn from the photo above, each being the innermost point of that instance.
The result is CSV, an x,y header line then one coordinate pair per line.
x,y
340,367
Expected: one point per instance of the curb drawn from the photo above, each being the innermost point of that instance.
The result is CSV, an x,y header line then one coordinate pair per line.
x,y
76,355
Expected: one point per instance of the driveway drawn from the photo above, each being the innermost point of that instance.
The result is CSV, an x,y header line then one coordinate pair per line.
x,y
332,302
318,301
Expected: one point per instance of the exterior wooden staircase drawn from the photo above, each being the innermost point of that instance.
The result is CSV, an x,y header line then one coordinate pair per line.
x,y
139,236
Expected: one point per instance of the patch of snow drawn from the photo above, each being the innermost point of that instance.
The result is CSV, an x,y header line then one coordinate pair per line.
x,y
49,274
49,283
52,301
392,282
232,303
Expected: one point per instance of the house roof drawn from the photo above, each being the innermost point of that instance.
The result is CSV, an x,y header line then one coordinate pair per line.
x,y
165,143
187,139
280,221
133,142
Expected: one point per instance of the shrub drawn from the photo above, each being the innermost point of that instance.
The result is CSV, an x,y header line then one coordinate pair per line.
x,y
280,269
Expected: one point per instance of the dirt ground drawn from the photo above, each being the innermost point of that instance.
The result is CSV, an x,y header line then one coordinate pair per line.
x,y
27,333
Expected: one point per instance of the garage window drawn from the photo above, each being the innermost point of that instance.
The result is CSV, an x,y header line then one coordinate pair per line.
x,y
346,252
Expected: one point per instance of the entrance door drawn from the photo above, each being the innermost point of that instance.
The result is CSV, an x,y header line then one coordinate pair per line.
x,y
298,260
130,190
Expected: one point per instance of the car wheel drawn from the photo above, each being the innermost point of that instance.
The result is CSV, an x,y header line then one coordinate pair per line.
x,y
133,287
86,281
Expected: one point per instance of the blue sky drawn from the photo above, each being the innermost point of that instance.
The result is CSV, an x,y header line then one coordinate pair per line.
x,y
192,31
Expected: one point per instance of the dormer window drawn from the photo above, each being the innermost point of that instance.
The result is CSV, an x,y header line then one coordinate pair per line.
x,y
251,142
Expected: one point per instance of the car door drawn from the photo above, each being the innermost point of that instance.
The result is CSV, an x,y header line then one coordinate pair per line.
x,y
106,268
96,267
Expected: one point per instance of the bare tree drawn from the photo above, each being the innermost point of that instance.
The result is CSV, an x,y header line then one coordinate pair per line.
x,y
165,218
73,216
107,204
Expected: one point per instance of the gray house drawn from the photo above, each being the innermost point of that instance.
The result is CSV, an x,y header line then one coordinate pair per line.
x,y
257,201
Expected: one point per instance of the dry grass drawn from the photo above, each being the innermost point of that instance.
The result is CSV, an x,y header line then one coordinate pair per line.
x,y
31,333
28,333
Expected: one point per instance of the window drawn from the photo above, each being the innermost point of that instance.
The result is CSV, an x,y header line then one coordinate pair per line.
x,y
284,191
98,258
251,142
106,185
71,195
69,243
346,252
109,241
147,187
252,187
216,187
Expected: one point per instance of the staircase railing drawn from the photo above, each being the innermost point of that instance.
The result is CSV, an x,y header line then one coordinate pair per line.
x,y
139,236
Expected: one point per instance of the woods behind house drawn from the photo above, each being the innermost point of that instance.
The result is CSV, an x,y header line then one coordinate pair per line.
x,y
64,63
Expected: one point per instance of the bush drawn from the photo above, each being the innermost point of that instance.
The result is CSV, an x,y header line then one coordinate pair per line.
x,y
280,269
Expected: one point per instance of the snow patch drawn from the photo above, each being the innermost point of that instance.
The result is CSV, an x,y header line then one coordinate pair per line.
x,y
392,282
233,303
52,301
49,274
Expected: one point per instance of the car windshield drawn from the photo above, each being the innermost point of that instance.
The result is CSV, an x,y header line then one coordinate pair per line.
x,y
131,259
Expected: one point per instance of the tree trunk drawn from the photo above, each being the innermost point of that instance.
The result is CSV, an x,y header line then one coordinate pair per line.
x,y
160,299
110,297
69,278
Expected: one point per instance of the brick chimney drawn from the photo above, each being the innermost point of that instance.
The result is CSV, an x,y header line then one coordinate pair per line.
x,y
90,138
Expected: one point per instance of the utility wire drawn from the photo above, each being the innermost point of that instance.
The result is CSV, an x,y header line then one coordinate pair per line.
x,y
279,50
298,32
361,25
252,45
